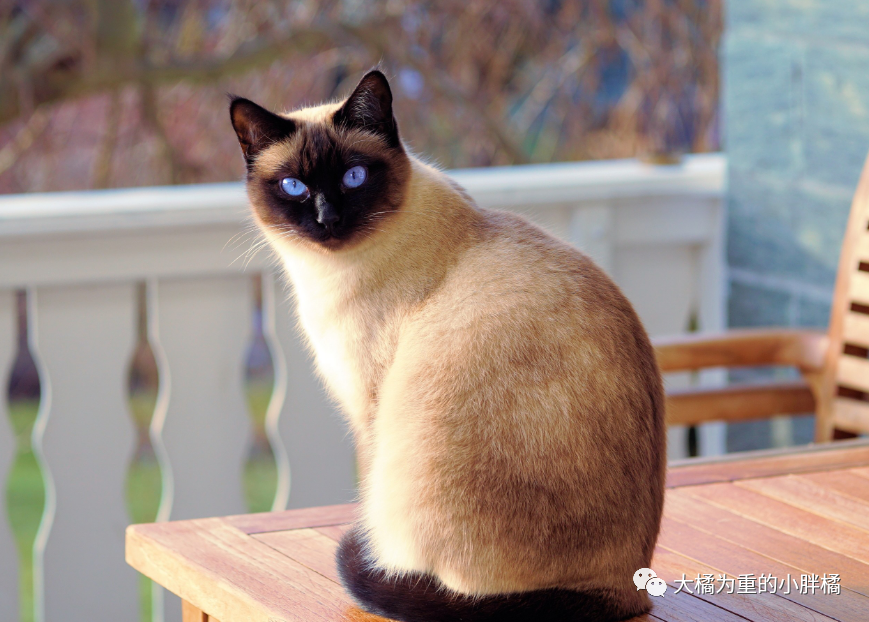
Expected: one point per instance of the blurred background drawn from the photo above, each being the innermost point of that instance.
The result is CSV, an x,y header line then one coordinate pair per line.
x,y
114,93
103,94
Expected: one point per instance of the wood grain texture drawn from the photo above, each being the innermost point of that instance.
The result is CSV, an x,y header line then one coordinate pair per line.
x,y
189,613
686,608
284,568
804,525
230,575
804,349
738,402
672,566
728,557
769,462
765,540
807,495
306,546
294,519
848,483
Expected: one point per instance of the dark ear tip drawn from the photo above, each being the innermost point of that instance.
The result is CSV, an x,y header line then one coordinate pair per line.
x,y
235,101
375,77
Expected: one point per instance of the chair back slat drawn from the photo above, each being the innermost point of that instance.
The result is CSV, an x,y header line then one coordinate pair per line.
x,y
856,329
858,288
851,414
853,373
843,395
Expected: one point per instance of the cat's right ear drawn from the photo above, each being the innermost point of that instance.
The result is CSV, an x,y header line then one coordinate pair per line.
x,y
256,127
369,108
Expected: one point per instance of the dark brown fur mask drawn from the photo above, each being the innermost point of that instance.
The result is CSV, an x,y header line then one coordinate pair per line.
x,y
328,175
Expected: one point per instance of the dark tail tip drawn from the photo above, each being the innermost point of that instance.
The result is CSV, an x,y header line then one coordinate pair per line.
x,y
417,597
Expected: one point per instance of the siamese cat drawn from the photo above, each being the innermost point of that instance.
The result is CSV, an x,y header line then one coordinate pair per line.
x,y
503,395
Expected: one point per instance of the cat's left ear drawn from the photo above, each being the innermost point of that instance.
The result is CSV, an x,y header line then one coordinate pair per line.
x,y
369,108
256,127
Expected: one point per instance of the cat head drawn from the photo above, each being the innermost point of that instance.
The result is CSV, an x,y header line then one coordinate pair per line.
x,y
329,175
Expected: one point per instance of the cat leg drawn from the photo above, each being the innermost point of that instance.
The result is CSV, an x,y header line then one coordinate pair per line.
x,y
420,597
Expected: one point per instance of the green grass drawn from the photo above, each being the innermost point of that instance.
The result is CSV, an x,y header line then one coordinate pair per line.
x,y
25,492
25,498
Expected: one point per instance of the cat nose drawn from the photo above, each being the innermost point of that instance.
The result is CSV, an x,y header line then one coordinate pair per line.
x,y
327,215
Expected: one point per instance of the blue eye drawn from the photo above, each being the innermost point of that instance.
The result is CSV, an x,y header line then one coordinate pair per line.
x,y
355,177
293,187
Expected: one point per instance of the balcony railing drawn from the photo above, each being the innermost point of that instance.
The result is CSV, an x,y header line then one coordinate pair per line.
x,y
81,257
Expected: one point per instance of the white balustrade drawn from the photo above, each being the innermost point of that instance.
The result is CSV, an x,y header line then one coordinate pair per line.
x,y
656,230
8,554
84,440
306,421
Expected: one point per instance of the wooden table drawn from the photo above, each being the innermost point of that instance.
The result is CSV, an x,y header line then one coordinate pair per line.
x,y
797,513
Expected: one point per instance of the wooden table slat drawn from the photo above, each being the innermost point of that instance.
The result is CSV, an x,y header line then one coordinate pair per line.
x,y
229,575
690,609
862,472
830,534
671,566
306,546
766,540
812,458
807,495
727,557
848,483
294,519
799,512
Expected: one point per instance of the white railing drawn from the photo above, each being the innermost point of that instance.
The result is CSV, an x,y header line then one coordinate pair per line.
x,y
656,230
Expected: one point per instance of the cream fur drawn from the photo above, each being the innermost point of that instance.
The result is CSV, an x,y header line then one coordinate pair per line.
x,y
500,390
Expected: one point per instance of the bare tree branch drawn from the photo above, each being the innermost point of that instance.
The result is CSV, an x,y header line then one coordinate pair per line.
x,y
103,165
442,83
61,83
31,130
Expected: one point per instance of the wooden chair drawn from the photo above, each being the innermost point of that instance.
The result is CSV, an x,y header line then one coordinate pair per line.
x,y
834,365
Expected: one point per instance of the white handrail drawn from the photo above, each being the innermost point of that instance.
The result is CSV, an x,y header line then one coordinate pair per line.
x,y
168,206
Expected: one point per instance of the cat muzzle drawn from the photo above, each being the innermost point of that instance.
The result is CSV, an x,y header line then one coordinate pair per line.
x,y
327,215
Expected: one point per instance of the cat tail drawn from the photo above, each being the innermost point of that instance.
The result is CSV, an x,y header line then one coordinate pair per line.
x,y
417,597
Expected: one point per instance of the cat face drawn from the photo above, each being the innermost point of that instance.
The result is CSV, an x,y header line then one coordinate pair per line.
x,y
329,175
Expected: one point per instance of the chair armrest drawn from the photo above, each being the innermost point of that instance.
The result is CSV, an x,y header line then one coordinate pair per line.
x,y
804,349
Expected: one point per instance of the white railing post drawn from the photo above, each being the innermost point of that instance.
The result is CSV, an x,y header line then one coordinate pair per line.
x,y
9,607
712,315
81,337
317,442
201,426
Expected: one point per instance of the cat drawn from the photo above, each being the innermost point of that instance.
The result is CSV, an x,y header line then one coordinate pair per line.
x,y
504,398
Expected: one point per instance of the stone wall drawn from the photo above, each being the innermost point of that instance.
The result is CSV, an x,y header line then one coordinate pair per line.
x,y
796,128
